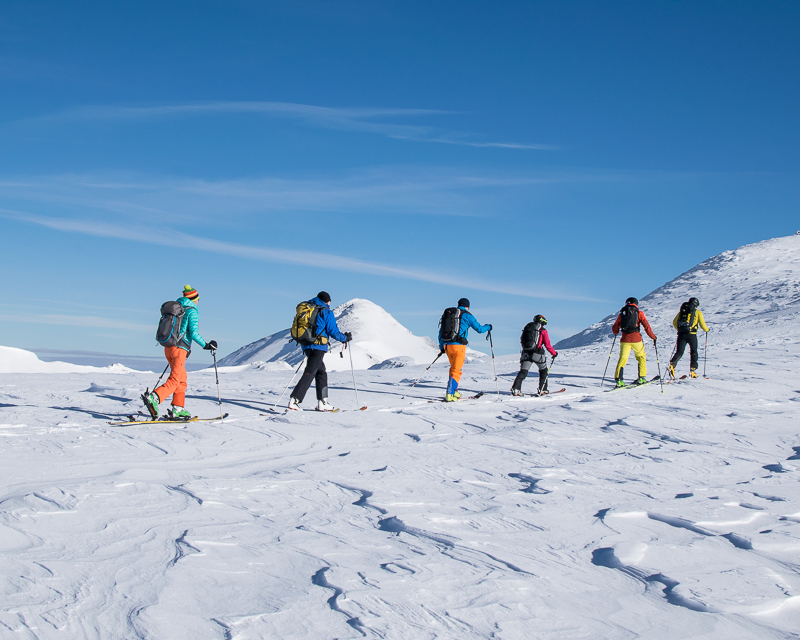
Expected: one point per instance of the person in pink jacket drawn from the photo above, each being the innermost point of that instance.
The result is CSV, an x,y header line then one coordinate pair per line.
x,y
534,340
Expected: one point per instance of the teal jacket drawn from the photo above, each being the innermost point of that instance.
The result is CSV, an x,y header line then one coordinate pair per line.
x,y
190,327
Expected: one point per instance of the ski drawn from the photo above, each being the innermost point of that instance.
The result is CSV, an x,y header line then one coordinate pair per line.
x,y
284,411
683,377
536,395
133,420
634,385
475,397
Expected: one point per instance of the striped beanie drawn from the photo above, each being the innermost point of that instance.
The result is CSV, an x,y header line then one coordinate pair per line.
x,y
190,293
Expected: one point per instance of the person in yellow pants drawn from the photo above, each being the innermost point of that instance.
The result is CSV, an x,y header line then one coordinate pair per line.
x,y
629,320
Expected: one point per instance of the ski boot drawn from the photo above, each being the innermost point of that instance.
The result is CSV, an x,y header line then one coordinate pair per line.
x,y
641,380
178,413
693,373
542,392
515,391
451,397
294,404
671,371
151,402
457,395
323,405
620,383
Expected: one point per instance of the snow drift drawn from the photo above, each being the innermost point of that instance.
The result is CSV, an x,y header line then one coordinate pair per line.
x,y
747,294
377,337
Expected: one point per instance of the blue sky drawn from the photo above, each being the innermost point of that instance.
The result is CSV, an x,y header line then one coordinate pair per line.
x,y
536,157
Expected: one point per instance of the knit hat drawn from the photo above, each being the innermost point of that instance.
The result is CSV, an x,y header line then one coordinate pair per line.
x,y
463,303
189,292
324,296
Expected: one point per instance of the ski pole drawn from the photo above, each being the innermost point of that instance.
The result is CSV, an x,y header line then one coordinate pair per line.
x,y
674,351
547,373
496,383
609,360
353,372
423,373
290,382
705,356
660,379
167,367
216,373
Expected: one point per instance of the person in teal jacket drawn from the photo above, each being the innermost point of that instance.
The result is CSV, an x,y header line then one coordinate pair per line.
x,y
175,385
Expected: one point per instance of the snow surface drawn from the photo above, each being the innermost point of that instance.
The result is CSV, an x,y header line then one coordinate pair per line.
x,y
630,514
377,337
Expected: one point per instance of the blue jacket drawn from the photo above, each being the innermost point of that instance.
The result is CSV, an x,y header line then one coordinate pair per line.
x,y
190,327
468,322
326,326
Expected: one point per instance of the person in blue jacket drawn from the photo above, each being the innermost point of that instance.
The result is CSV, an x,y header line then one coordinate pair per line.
x,y
456,350
326,328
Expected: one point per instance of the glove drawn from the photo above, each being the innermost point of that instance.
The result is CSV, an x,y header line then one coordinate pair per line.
x,y
654,340
490,327
348,336
211,345
555,355
441,352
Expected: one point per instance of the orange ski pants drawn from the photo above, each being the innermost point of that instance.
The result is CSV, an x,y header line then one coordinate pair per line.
x,y
175,385
456,354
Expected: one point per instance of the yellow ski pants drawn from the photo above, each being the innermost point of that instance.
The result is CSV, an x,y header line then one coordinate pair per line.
x,y
625,351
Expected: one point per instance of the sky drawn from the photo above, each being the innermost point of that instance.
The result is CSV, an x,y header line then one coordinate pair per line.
x,y
535,157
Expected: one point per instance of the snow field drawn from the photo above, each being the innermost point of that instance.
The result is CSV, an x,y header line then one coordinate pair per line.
x,y
583,514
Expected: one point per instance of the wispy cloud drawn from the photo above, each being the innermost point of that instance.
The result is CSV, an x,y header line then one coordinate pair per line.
x,y
285,256
77,321
395,190
359,119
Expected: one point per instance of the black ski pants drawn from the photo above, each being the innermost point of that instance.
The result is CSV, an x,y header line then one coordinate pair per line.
x,y
526,361
314,372
683,340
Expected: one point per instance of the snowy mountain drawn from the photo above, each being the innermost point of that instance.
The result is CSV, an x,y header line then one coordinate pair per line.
x,y
750,293
377,338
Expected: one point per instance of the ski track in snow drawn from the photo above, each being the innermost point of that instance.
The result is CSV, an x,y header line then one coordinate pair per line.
x,y
637,514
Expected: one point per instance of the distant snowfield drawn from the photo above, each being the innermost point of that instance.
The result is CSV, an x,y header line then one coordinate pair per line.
x,y
629,514
13,360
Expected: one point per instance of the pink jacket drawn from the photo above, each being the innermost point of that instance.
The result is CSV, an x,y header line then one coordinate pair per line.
x,y
544,339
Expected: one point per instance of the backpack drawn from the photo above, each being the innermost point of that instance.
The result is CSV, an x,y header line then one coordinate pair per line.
x,y
169,333
686,318
450,325
629,319
531,335
304,325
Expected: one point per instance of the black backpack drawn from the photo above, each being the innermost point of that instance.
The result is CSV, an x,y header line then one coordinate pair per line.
x,y
686,317
169,327
530,337
450,325
629,319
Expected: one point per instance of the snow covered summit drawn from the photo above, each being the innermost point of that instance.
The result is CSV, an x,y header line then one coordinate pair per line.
x,y
377,337
750,293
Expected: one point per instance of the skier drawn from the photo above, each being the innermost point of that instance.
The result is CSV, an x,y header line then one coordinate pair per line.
x,y
455,346
686,322
176,356
629,320
534,340
325,329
